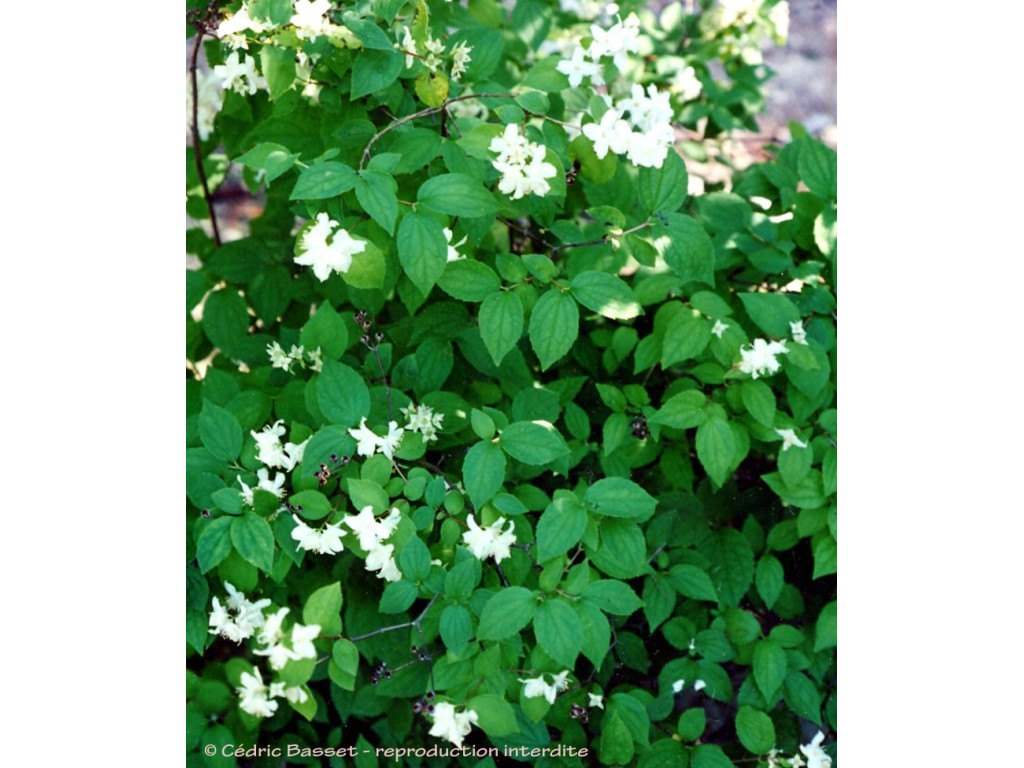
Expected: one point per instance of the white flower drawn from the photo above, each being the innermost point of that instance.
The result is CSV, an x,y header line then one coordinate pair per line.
x,y
366,441
816,756
316,360
325,257
460,58
490,541
218,617
272,632
231,30
595,700
277,655
409,46
296,695
521,163
611,133
238,73
268,443
367,528
616,41
254,695
537,686
700,685
686,84
677,686
293,454
330,539
325,542
796,762
789,439
451,725
381,559
761,358
719,328
307,538
779,18
798,333
453,254
278,357
422,419
577,68
302,640
274,486
309,18
389,444
248,616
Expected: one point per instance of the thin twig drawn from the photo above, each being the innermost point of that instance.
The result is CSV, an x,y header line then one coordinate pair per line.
x,y
201,29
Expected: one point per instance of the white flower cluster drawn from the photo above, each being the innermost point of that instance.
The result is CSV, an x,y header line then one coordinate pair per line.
x,y
491,541
372,534
431,52
284,360
762,358
686,84
238,72
678,685
647,135
615,42
451,725
521,163
327,257
247,618
422,419
257,698
272,452
299,644
743,24
591,10
211,99
537,686
789,439
323,541
369,443
309,19
232,29
816,756
275,486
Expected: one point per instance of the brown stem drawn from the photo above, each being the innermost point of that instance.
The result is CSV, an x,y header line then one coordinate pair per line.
x,y
201,29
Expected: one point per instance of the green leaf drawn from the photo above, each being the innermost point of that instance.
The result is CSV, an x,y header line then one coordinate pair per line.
x,y
457,195
691,724
314,505
323,607
605,294
825,629
709,756
769,579
732,565
616,745
254,540
501,323
533,442
755,729
414,560
759,400
769,668
422,250
469,280
456,628
612,596
495,716
417,148
398,596
375,191
374,71
818,168
278,65
663,190
225,319
273,159
690,581
716,448
367,493
345,657
623,551
507,613
323,180
659,600
325,330
686,336
802,697
771,312
559,631
214,543
220,432
341,394
825,556
462,579
432,88
618,497
683,410
560,527
686,248
554,326
483,472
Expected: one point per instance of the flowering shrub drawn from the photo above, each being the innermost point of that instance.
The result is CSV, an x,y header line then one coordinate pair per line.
x,y
548,469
